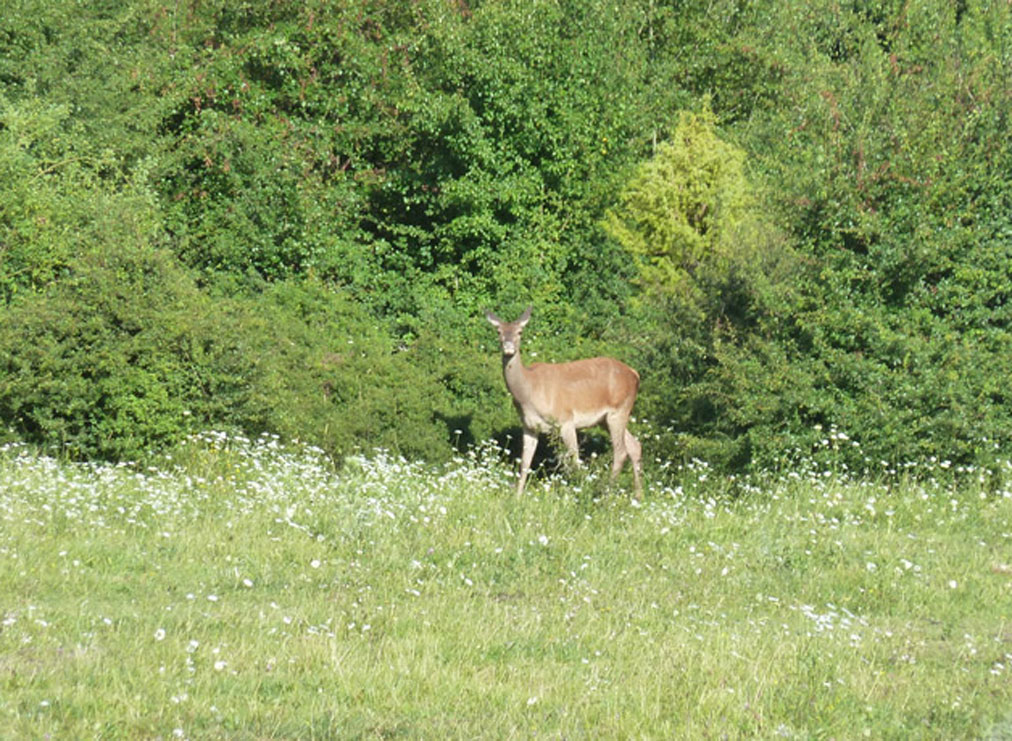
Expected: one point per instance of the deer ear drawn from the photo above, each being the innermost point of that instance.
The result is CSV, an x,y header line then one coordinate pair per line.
x,y
525,317
493,319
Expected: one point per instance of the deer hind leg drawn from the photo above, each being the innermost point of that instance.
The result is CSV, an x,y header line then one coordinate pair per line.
x,y
568,433
624,446
616,428
635,451
530,445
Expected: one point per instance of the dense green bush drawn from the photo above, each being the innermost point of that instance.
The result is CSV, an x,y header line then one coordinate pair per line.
x,y
126,354
350,384
897,193
106,361
382,150
59,196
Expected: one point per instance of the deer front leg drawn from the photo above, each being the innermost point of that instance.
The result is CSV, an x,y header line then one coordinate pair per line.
x,y
530,445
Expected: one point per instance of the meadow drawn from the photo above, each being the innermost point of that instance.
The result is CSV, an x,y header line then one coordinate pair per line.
x,y
246,589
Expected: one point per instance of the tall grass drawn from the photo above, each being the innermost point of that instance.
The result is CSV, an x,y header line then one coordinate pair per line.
x,y
248,590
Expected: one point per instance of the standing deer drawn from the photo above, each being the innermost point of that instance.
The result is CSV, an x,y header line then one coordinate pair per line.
x,y
571,396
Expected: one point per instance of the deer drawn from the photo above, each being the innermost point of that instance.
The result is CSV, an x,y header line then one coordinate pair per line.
x,y
569,396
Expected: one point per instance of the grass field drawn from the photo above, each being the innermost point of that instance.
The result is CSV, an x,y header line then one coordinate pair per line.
x,y
249,591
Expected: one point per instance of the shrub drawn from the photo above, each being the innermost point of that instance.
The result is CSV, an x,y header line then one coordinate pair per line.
x,y
106,362
54,201
126,355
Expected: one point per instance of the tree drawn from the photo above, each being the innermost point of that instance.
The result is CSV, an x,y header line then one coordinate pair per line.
x,y
684,211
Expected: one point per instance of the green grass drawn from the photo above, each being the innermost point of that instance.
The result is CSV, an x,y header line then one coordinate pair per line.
x,y
249,591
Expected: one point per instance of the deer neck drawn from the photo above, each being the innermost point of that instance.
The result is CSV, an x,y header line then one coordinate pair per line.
x,y
516,376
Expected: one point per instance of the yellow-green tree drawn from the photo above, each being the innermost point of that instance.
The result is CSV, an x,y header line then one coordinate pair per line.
x,y
688,212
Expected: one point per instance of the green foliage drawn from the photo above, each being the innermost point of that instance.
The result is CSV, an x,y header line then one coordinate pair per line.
x,y
383,151
57,197
688,210
887,312
126,355
98,364
826,242
679,207
348,384
715,274
240,202
891,186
